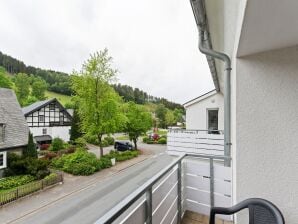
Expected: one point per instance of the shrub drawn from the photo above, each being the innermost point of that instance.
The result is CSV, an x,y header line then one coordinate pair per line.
x,y
81,142
57,144
162,141
50,155
18,165
105,162
126,155
150,141
44,146
51,176
15,181
80,162
92,139
104,143
110,140
145,139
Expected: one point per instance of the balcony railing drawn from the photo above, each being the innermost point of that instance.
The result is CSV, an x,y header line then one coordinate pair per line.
x,y
195,142
191,182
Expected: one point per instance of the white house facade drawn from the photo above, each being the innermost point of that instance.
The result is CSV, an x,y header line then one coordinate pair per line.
x,y
260,38
205,112
48,119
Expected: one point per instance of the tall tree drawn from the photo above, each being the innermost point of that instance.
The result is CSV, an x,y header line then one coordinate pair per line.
x,y
30,150
5,81
138,121
22,83
75,131
160,113
39,87
98,103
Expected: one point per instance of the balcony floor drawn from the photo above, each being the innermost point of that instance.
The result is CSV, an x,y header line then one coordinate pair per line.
x,y
195,218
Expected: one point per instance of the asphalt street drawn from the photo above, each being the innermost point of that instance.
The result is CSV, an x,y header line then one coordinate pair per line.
x,y
87,205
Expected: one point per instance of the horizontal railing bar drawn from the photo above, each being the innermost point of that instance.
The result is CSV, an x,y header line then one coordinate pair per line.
x,y
122,206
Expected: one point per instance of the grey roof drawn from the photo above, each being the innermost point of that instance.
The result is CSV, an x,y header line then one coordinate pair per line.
x,y
16,128
42,138
35,106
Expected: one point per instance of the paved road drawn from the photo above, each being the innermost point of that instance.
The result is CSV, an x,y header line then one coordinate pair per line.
x,y
87,205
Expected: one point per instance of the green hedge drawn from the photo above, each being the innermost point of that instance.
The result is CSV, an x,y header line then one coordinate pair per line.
x,y
162,141
15,181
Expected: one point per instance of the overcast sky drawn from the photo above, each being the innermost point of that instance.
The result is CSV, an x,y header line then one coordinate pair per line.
x,y
153,42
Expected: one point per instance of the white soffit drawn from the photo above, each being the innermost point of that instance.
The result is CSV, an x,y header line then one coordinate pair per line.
x,y
268,25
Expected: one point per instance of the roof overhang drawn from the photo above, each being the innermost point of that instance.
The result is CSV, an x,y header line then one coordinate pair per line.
x,y
200,98
268,25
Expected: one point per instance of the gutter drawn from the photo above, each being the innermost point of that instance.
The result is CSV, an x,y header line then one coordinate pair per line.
x,y
205,46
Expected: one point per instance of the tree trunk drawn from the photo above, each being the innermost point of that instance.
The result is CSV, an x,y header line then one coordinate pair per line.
x,y
135,143
100,145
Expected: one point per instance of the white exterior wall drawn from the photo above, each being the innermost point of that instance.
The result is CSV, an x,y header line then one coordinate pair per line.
x,y
266,122
196,114
58,131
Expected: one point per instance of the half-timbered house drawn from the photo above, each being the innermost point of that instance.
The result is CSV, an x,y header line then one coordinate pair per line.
x,y
48,119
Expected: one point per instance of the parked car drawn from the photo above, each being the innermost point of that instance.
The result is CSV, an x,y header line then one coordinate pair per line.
x,y
123,145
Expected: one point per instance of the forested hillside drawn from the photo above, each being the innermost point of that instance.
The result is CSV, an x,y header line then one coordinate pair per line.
x,y
59,82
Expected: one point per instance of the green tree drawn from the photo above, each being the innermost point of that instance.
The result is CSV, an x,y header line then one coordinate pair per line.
x,y
75,126
170,118
22,83
138,122
5,81
98,103
30,150
160,113
39,87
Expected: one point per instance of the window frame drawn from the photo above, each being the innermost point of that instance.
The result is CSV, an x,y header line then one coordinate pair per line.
x,y
41,120
4,163
44,131
207,120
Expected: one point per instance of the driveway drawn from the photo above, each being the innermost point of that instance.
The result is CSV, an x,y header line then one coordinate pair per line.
x,y
83,199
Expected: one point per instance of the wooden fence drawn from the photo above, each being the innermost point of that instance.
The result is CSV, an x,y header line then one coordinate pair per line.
x,y
14,194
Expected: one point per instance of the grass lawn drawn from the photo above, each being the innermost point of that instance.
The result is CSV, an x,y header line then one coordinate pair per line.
x,y
60,97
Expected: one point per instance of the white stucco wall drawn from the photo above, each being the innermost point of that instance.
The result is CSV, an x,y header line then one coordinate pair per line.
x,y
196,114
266,159
59,131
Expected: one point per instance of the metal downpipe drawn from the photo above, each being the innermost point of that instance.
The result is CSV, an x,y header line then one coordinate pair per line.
x,y
203,41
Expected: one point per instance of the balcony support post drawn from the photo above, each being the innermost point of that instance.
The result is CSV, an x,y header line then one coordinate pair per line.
x,y
179,199
211,182
149,206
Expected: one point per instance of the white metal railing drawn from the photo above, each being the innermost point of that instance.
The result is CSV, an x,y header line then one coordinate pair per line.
x,y
195,141
191,182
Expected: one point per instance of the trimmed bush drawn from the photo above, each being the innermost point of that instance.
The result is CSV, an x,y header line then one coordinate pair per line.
x,y
15,181
145,139
81,142
91,139
162,141
104,143
18,165
57,144
110,140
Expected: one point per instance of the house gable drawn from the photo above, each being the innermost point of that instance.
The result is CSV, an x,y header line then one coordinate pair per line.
x,y
48,113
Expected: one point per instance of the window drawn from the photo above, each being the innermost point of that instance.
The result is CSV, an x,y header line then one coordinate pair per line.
x,y
61,119
2,160
44,131
2,132
212,116
40,118
52,106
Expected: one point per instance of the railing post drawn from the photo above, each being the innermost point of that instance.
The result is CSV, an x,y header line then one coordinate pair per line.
x,y
211,182
179,199
149,206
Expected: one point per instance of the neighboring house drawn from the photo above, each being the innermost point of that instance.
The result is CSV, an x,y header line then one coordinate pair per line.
x,y
260,38
205,112
48,119
13,127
